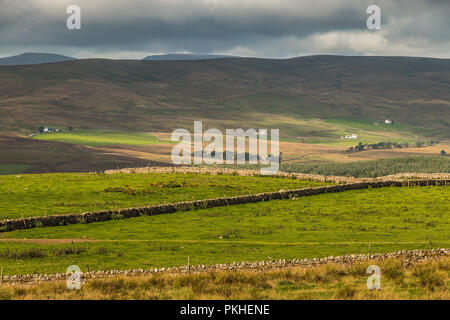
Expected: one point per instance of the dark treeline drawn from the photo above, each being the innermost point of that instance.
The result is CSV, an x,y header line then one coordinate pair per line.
x,y
375,168
389,145
234,156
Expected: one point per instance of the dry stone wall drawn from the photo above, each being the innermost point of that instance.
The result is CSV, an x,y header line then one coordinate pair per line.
x,y
300,176
99,216
408,257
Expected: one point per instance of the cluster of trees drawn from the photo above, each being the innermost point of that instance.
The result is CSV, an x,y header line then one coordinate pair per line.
x,y
376,168
234,156
389,145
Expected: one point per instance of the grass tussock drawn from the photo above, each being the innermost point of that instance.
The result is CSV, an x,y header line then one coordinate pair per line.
x,y
38,253
25,254
427,280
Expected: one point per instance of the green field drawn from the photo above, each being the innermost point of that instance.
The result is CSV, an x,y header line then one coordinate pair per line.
x,y
327,132
368,131
370,125
330,224
100,138
48,194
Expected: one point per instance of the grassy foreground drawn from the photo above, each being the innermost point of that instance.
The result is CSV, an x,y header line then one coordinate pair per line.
x,y
426,280
391,219
47,194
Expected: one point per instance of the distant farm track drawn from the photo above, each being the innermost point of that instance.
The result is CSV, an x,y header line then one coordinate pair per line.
x,y
106,215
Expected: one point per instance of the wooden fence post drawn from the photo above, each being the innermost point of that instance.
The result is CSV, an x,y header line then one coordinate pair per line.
x,y
189,264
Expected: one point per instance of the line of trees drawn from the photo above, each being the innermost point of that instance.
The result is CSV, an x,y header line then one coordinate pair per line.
x,y
390,145
376,168
234,156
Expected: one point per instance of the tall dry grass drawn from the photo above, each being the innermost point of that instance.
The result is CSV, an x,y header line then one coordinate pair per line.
x,y
425,280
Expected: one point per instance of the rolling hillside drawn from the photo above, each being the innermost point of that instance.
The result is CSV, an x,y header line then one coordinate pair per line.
x,y
247,92
312,100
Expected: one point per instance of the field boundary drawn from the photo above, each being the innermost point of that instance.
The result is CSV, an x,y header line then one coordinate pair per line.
x,y
409,257
281,174
106,215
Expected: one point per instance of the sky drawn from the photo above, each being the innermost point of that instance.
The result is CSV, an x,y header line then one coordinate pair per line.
x,y
133,29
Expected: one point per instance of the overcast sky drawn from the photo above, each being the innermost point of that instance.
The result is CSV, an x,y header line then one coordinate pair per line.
x,y
262,28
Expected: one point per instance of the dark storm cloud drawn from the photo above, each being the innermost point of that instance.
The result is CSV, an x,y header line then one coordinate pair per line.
x,y
260,27
110,27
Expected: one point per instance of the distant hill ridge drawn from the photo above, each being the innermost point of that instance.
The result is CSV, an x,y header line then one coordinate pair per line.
x,y
33,58
186,56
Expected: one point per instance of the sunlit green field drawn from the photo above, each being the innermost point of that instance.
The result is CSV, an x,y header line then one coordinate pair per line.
x,y
326,132
368,131
99,138
389,219
47,194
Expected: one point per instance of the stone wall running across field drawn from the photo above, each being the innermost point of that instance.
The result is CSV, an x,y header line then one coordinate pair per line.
x,y
409,257
99,216
281,174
